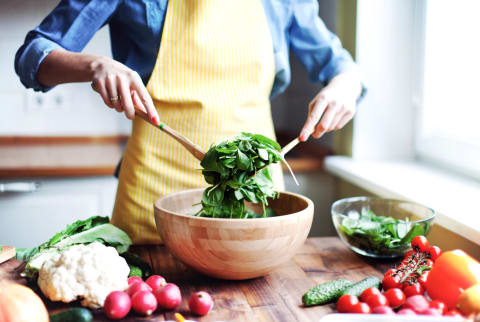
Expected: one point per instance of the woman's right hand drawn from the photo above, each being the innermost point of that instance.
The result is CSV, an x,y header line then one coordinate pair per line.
x,y
121,88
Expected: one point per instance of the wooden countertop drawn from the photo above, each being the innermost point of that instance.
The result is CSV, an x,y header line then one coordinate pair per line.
x,y
275,297
60,156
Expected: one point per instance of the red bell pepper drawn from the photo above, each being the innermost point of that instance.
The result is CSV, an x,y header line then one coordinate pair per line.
x,y
453,272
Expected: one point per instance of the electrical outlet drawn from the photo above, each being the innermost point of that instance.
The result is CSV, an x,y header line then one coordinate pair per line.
x,y
52,101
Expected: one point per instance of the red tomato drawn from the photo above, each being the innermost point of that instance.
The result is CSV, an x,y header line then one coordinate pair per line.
x,y
427,262
391,281
346,302
369,291
375,300
361,308
439,305
420,243
453,312
391,271
409,254
414,289
423,279
395,297
434,252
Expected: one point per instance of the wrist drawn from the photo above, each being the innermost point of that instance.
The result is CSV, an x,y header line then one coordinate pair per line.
x,y
94,64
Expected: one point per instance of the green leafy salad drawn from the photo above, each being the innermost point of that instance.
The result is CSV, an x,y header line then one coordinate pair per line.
x,y
379,234
238,171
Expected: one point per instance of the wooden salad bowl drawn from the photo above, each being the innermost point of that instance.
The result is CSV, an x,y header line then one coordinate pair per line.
x,y
233,249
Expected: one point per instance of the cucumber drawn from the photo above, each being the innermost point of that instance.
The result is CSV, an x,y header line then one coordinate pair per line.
x,y
357,288
326,292
76,314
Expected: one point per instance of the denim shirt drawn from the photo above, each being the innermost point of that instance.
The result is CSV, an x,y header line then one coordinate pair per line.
x,y
136,30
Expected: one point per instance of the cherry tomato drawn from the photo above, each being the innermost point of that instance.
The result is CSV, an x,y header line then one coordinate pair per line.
x,y
361,308
375,300
414,289
427,262
434,252
391,281
395,297
391,271
439,305
423,279
420,243
453,312
369,291
409,254
346,302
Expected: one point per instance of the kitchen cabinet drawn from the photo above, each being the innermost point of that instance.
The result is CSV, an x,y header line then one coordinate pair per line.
x,y
30,218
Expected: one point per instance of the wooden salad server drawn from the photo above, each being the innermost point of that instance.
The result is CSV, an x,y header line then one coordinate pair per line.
x,y
189,145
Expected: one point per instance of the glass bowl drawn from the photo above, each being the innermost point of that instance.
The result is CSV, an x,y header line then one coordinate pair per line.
x,y
380,228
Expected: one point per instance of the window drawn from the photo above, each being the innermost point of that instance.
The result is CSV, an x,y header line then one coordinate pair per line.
x,y
449,86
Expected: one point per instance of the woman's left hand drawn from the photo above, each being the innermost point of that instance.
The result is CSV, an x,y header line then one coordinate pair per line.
x,y
333,107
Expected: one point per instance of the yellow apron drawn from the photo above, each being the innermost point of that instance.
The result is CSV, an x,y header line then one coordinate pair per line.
x,y
211,81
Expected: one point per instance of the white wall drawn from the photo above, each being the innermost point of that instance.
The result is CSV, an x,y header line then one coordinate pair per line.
x,y
72,109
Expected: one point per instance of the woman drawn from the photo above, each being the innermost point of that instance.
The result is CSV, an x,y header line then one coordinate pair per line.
x,y
206,68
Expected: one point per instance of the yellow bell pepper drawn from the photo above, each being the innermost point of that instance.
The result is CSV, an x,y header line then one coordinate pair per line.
x,y
453,272
469,300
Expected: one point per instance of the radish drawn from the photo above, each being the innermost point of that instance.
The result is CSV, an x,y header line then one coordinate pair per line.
x,y
168,296
138,286
155,282
144,302
432,311
417,303
117,305
406,312
383,309
200,303
134,279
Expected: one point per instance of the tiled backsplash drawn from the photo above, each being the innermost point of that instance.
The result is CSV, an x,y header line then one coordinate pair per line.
x,y
72,109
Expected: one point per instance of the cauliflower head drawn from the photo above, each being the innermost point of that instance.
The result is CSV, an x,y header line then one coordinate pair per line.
x,y
89,272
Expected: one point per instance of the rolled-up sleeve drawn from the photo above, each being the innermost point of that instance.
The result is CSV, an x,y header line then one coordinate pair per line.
x,y
319,50
69,26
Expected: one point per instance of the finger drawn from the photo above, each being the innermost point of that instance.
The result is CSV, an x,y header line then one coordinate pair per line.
x,y
324,125
336,120
345,119
111,86
137,102
99,87
144,97
126,98
314,115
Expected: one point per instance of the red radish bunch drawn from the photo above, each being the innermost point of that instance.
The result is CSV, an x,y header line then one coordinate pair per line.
x,y
403,287
145,297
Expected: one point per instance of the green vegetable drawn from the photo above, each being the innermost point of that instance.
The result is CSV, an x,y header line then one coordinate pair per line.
x,y
76,314
135,271
379,234
138,267
238,171
357,288
86,231
326,292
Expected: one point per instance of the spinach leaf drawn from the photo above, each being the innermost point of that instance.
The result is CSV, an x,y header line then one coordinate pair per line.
x,y
238,171
379,234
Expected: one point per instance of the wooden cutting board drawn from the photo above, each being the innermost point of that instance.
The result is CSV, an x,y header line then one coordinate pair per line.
x,y
6,253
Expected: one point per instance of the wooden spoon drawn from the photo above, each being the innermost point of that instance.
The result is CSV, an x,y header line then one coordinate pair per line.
x,y
189,145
